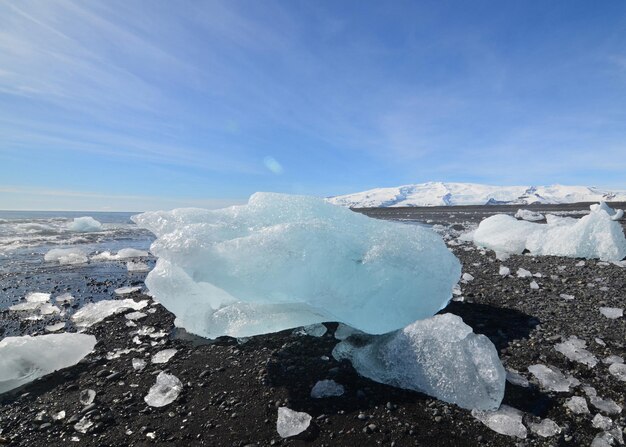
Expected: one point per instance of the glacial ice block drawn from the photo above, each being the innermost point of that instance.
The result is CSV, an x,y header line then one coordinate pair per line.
x,y
24,359
439,356
286,261
597,235
85,224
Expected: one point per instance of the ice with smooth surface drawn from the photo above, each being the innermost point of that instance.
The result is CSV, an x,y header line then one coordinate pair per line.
x,y
505,420
601,422
138,364
612,312
504,271
577,404
55,327
574,349
618,370
608,406
66,256
551,378
135,316
326,388
546,428
124,253
439,356
530,216
164,356
514,377
93,313
24,359
291,423
285,261
596,235
127,290
85,224
523,273
164,391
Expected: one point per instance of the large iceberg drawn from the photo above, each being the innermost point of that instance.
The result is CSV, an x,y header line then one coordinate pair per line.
x,y
24,359
439,356
596,235
285,261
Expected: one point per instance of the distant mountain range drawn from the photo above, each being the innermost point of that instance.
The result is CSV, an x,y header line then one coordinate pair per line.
x,y
450,194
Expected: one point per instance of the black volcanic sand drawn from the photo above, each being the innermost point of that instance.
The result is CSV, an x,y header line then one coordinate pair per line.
x,y
232,390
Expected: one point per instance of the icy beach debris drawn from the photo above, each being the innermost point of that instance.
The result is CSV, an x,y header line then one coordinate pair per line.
x,y
49,309
601,422
344,331
574,349
546,428
514,377
137,266
34,301
505,420
291,423
467,277
326,388
618,370
24,359
551,378
595,235
529,215
612,312
504,271
64,298
312,330
523,273
83,425
164,356
608,406
566,297
87,397
66,256
133,316
439,356
577,405
55,327
164,391
138,364
127,290
93,313
534,285
85,224
285,261
124,253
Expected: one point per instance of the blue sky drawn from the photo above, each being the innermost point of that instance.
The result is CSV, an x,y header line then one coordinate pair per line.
x,y
155,104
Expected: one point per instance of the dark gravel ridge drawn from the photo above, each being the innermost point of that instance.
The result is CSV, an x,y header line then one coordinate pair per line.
x,y
231,391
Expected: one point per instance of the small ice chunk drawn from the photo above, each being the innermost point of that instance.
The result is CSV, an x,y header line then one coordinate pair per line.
x,y
37,297
138,364
64,298
601,422
34,300
515,378
85,224
326,388
58,416
127,290
574,349
66,256
504,271
343,331
24,359
580,264
439,356
567,297
313,330
137,266
87,397
164,391
505,420
608,406
530,216
83,425
523,273
613,359
49,309
124,253
546,428
551,378
534,285
26,306
608,438
577,405
291,423
164,356
612,312
93,313
618,370
55,327
135,316
467,277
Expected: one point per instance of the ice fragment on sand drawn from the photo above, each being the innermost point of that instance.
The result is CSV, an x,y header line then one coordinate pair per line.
x,y
618,370
66,256
64,298
523,273
34,300
546,428
608,438
343,331
504,271
534,285
528,215
93,313
291,423
85,224
135,315
326,388
551,378
595,235
164,356
164,391
137,266
83,425
313,330
58,416
601,422
138,364
515,378
24,359
125,253
612,312
613,359
55,327
467,277
439,356
574,349
286,261
577,404
127,290
567,297
608,406
49,309
505,420
87,397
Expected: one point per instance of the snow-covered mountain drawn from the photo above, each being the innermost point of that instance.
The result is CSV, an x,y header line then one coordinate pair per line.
x,y
442,194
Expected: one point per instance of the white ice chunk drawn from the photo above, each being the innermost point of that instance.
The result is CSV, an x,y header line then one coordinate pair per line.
x,y
87,397
574,349
93,313
344,331
64,298
523,273
83,425
127,290
135,316
85,224
164,356
291,423
612,312
24,359
286,261
608,406
439,356
618,370
566,297
138,364
577,405
504,271
37,297
467,277
66,256
595,235
530,216
505,420
313,330
48,309
546,428
55,327
601,422
137,266
124,253
164,391
514,377
613,359
551,378
534,285
610,438
326,388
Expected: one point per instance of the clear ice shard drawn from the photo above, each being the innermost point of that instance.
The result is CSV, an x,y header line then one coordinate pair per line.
x,y
596,235
326,388
24,359
164,356
291,423
283,261
164,391
574,349
551,378
93,313
505,420
546,428
439,356
85,224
